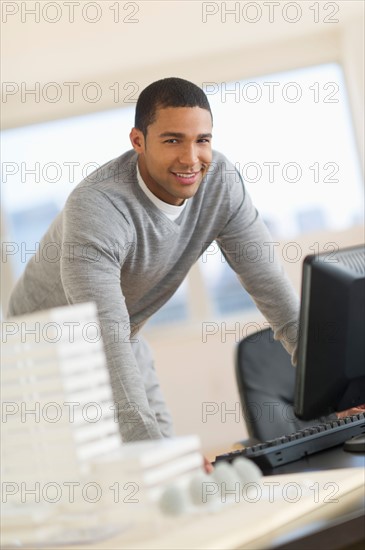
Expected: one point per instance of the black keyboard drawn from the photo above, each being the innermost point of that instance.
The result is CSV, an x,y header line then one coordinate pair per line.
x,y
282,450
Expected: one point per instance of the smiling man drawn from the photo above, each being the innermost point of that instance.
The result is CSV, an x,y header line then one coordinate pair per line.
x,y
176,156
130,232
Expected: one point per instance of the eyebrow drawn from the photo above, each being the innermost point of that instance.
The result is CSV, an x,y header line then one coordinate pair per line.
x,y
180,135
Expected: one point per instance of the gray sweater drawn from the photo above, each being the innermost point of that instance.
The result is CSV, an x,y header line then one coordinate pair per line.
x,y
113,246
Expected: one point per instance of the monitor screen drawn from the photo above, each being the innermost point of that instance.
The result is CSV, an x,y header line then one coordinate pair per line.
x,y
330,374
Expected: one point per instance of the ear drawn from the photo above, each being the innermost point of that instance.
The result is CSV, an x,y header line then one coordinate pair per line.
x,y
137,140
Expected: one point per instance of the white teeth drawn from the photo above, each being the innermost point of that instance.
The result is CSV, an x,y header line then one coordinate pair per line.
x,y
185,175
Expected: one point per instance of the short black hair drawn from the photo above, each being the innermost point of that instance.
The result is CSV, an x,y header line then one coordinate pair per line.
x,y
167,92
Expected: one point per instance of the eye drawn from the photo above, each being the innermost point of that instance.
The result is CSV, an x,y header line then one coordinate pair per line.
x,y
204,140
171,140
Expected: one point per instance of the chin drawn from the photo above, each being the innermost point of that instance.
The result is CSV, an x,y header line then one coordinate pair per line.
x,y
189,193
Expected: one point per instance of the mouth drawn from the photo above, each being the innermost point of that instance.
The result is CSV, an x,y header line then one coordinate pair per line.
x,y
186,178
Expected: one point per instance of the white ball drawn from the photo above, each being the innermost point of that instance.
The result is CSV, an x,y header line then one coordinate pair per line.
x,y
225,473
201,488
174,500
247,470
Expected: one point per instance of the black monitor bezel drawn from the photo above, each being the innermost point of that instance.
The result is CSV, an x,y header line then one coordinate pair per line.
x,y
323,384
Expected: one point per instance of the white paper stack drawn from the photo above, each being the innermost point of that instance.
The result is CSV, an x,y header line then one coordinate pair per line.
x,y
57,414
152,464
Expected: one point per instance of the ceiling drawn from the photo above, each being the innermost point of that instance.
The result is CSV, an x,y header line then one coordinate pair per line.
x,y
122,46
148,32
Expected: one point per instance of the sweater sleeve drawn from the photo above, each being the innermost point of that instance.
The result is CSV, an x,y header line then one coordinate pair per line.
x,y
250,251
91,271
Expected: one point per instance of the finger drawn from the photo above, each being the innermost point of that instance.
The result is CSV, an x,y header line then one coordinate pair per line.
x,y
208,467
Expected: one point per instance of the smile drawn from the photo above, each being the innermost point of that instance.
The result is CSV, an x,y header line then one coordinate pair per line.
x,y
186,178
185,174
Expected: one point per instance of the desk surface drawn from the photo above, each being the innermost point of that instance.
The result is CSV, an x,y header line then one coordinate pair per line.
x,y
326,511
250,525
285,523
340,531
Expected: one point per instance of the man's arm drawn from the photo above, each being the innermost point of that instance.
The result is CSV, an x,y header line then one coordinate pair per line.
x,y
91,271
250,251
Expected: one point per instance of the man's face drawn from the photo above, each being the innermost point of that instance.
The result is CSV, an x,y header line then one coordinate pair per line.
x,y
176,153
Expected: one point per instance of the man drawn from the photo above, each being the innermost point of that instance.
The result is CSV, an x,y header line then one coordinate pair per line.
x,y
130,232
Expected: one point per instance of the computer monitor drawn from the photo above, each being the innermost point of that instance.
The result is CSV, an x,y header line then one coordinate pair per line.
x,y
330,374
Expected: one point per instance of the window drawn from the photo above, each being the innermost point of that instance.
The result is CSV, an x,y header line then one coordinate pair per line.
x,y
290,137
42,163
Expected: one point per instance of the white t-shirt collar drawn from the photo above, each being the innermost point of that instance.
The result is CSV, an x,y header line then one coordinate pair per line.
x,y
170,210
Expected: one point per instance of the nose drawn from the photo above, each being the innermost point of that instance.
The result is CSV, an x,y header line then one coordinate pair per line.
x,y
189,156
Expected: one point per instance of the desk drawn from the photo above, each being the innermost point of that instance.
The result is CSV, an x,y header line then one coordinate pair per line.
x,y
328,459
263,524
325,532
341,531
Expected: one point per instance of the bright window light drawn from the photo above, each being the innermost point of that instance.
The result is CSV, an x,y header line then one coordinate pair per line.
x,y
290,136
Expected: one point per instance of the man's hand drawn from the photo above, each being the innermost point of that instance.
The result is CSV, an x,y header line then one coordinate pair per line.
x,y
350,412
208,467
